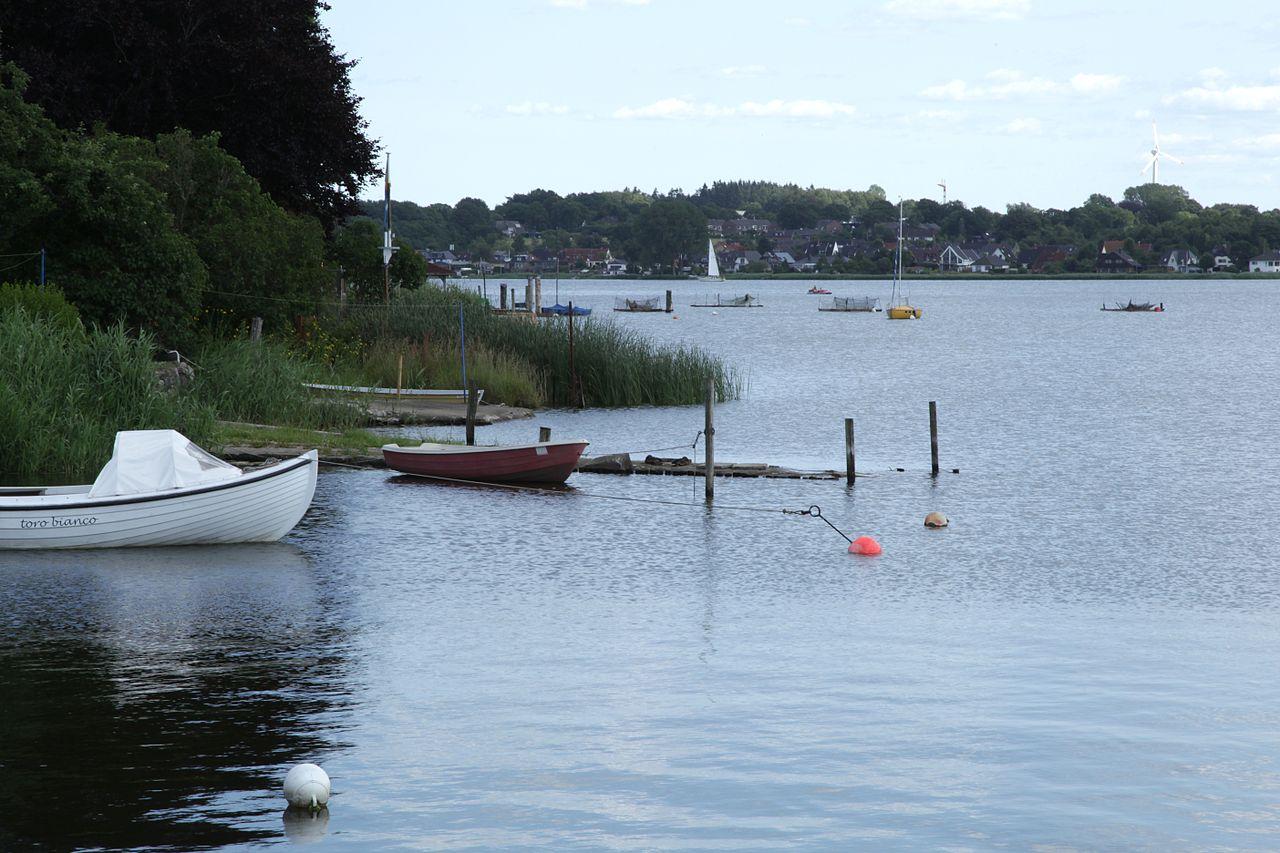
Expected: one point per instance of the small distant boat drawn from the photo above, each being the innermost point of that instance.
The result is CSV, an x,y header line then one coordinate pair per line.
x,y
421,395
559,310
638,306
821,291
161,489
713,267
1136,306
744,301
542,462
900,309
868,304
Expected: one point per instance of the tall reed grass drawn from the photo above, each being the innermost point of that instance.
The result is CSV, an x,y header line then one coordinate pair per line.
x,y
615,366
262,382
65,392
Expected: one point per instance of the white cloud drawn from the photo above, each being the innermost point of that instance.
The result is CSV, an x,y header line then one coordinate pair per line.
x,y
797,22
1007,83
1233,98
537,108
681,108
941,10
1091,84
742,71
1023,125
582,4
1266,142
1142,113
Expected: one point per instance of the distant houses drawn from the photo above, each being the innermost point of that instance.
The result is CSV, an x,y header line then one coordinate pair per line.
x,y
1266,262
753,244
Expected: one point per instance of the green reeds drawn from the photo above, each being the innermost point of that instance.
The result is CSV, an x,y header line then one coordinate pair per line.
x,y
614,366
64,393
262,382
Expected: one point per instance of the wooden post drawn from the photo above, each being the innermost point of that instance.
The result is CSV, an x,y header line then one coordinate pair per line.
x,y
528,296
502,296
544,434
849,473
399,377
537,295
255,329
471,413
933,436
668,301
709,432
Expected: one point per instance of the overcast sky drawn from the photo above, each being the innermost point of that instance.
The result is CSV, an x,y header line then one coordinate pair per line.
x,y
1007,100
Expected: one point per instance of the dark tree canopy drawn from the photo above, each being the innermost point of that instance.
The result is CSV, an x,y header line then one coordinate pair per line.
x,y
261,73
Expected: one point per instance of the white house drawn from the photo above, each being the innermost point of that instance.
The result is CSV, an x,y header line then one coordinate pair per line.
x,y
1268,262
1182,260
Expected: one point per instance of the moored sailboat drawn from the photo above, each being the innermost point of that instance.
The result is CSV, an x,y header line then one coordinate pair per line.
x,y
900,309
713,266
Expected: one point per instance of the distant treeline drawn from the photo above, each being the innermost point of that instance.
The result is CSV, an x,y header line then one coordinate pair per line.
x,y
651,228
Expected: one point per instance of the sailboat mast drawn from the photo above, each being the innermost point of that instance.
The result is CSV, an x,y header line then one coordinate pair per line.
x,y
898,267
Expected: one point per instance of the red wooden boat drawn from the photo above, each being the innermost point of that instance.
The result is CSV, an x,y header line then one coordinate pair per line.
x,y
542,462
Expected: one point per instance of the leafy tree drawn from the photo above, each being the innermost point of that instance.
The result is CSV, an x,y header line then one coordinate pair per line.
x,y
1157,203
357,248
472,221
263,73
669,229
112,244
262,261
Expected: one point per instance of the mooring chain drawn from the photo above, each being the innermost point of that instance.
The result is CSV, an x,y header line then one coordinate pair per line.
x,y
815,511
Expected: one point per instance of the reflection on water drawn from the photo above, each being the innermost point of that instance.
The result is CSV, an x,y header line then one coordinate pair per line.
x,y
149,693
1084,659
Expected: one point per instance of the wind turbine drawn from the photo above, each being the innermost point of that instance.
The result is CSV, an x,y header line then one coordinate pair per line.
x,y
943,184
1156,156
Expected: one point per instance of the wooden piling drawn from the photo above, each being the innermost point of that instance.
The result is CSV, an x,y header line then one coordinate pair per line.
x,y
849,473
668,301
528,297
502,298
544,434
537,295
399,377
709,432
933,437
255,329
471,413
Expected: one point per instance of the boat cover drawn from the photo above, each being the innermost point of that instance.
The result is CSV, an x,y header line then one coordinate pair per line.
x,y
153,460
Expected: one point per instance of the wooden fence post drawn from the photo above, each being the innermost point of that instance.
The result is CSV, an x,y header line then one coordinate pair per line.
x,y
255,329
709,432
544,434
471,413
850,474
933,437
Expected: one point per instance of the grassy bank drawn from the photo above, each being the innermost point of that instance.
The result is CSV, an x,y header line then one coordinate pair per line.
x,y
230,434
614,366
64,392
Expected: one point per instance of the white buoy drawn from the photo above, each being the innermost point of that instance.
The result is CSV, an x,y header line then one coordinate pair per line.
x,y
307,786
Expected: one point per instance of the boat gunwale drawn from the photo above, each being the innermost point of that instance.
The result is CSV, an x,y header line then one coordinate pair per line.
x,y
249,478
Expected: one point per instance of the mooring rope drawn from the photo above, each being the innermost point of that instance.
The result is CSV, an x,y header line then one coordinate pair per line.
x,y
812,511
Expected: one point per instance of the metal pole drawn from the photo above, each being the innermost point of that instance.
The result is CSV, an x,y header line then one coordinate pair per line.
x,y
709,432
42,266
575,394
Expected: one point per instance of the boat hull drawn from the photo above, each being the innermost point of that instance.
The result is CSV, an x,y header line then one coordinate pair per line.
x,y
544,462
904,312
260,506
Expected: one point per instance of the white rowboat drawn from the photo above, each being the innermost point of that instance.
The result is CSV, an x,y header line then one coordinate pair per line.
x,y
160,489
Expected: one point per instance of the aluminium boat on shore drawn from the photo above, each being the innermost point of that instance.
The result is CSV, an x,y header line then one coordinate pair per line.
x,y
159,488
420,395
541,462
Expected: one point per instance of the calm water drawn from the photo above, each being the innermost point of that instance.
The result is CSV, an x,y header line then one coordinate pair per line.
x,y
1085,659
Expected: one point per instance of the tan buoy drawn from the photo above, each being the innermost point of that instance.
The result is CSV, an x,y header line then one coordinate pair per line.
x,y
935,519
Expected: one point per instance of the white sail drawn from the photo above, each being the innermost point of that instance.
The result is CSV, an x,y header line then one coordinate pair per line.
x,y
713,268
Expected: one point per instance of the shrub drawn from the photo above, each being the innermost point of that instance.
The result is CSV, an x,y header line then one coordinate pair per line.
x,y
46,302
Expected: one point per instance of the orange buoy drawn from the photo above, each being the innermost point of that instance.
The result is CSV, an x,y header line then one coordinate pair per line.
x,y
864,545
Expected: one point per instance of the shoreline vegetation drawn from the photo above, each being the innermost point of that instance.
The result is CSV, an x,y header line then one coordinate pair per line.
x,y
1163,275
